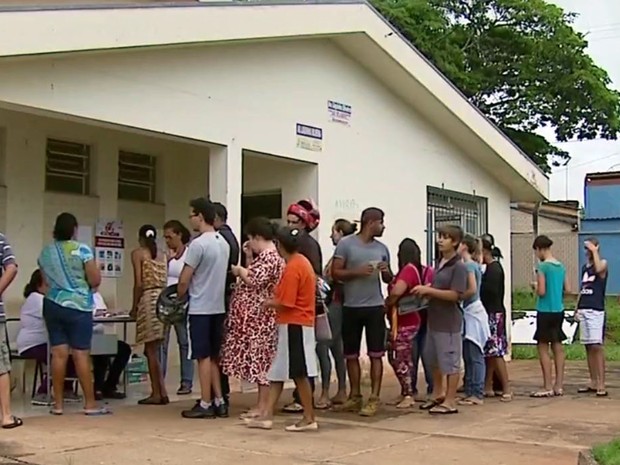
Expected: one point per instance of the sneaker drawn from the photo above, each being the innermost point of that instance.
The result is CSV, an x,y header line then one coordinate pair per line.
x,y
197,411
113,394
353,404
221,411
371,407
184,389
73,398
41,399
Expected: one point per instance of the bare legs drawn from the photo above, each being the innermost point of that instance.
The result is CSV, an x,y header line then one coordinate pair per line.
x,y
355,374
209,376
5,399
159,395
596,365
81,359
545,364
497,365
275,391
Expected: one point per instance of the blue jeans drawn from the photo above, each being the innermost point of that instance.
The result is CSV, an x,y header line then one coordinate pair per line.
x,y
475,370
187,366
418,353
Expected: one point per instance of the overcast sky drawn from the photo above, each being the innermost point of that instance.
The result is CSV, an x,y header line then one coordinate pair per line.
x,y
600,19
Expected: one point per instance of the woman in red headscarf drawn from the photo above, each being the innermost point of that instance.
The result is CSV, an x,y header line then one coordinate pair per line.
x,y
305,216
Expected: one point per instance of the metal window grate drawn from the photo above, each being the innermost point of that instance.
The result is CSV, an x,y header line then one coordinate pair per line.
x,y
136,176
67,167
445,207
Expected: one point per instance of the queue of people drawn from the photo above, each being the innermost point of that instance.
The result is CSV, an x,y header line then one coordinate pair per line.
x,y
255,321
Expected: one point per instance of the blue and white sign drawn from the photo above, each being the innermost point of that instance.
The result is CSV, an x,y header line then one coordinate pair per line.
x,y
309,137
339,112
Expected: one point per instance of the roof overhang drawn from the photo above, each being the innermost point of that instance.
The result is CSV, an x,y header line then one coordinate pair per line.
x,y
354,25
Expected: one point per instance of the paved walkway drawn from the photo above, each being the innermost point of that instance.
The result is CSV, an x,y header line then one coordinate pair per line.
x,y
546,432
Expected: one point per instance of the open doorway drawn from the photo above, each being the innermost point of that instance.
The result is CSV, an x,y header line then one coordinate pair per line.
x,y
268,204
271,184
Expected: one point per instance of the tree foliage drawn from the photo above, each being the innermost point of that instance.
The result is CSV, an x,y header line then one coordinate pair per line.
x,y
520,62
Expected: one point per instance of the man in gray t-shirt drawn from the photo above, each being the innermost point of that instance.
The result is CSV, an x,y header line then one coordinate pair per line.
x,y
361,262
204,278
445,321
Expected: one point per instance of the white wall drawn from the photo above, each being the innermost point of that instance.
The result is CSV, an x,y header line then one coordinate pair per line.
x,y
30,212
252,95
296,180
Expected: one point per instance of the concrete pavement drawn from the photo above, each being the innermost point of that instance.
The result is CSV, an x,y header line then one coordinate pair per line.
x,y
526,431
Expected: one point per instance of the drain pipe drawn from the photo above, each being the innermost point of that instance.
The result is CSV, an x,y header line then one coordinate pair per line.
x,y
535,217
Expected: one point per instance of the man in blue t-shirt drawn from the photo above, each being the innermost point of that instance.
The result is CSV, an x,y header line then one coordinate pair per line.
x,y
549,286
591,315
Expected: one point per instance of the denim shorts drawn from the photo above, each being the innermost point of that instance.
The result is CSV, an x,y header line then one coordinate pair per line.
x,y
68,326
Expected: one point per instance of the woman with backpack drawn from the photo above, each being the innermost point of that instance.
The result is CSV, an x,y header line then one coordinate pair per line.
x,y
405,322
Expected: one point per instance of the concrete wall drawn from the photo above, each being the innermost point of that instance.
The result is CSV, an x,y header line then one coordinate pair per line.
x,y
252,96
521,222
27,212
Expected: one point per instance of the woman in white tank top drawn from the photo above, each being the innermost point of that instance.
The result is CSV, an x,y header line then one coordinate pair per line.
x,y
177,237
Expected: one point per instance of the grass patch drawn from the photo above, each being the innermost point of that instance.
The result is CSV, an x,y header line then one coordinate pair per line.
x,y
607,454
524,300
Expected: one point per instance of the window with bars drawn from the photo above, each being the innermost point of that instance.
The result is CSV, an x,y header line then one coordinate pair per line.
x,y
136,176
444,207
67,167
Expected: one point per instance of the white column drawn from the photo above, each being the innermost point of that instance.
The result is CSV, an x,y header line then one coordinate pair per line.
x,y
225,180
25,182
105,170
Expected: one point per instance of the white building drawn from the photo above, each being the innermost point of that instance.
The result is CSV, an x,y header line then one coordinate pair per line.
x,y
210,96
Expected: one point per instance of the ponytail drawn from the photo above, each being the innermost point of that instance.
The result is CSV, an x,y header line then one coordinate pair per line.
x,y
148,237
36,281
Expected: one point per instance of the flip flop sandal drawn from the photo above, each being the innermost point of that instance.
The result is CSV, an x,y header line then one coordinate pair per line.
x,y
443,410
293,408
14,424
56,411
322,405
542,394
586,390
506,398
97,412
558,393
429,404
602,393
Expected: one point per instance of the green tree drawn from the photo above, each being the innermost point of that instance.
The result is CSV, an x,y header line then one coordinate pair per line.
x,y
520,62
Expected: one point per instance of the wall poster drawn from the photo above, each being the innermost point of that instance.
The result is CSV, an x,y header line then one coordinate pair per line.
x,y
110,247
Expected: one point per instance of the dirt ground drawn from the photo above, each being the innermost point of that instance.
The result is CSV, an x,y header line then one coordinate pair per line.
x,y
526,431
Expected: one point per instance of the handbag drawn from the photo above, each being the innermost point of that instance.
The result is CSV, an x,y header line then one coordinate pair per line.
x,y
411,303
322,328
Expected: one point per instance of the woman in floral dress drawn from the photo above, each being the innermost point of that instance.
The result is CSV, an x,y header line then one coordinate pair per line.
x,y
251,331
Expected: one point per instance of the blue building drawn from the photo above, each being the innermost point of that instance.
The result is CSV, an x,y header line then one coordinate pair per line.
x,y
602,219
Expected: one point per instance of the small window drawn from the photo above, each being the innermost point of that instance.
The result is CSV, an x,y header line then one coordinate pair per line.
x,y
67,167
136,177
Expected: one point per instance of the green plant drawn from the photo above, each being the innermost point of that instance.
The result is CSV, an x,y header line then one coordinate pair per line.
x,y
607,454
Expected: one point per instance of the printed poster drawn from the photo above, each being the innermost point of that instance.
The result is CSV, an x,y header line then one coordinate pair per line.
x,y
110,247
309,138
339,112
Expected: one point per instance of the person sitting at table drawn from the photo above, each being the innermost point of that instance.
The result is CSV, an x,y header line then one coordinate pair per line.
x,y
113,365
32,338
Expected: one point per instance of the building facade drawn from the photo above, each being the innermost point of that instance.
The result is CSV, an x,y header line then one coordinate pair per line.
x,y
128,122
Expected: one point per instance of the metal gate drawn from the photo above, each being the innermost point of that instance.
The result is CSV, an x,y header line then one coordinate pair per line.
x,y
444,207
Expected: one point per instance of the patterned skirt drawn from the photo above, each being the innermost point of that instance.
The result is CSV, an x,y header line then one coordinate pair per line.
x,y
148,326
497,345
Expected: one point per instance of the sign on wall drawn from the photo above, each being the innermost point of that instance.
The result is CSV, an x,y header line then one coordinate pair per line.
x,y
339,112
110,247
309,137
